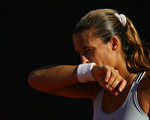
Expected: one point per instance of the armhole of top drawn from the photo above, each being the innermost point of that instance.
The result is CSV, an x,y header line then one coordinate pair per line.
x,y
135,97
136,101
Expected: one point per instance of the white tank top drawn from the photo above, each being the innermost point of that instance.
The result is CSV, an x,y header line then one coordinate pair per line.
x,y
129,110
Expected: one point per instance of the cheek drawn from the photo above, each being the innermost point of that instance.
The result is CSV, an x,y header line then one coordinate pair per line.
x,y
98,58
109,59
105,58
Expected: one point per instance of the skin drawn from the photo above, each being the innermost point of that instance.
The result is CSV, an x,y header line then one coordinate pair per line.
x,y
110,72
93,49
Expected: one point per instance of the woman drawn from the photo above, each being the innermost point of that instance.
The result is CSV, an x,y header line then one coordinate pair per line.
x,y
114,72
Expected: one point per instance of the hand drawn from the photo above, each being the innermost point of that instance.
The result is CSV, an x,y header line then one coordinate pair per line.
x,y
109,78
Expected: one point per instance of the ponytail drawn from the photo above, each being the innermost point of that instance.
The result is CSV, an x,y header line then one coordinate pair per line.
x,y
134,52
106,24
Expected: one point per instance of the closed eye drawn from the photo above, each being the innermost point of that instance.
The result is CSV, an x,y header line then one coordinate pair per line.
x,y
87,51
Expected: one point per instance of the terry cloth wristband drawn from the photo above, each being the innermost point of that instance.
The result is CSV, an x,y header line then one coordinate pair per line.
x,y
84,72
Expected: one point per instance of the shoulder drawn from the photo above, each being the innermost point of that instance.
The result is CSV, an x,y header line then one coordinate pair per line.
x,y
144,92
95,88
144,85
146,81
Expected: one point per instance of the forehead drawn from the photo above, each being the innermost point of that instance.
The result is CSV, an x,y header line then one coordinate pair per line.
x,y
85,39
82,37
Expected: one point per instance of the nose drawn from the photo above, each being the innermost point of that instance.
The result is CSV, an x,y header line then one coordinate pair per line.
x,y
84,60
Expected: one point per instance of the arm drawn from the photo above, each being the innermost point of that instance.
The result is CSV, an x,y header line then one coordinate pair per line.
x,y
62,80
143,93
53,78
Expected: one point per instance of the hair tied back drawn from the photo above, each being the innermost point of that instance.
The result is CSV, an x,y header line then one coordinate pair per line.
x,y
122,18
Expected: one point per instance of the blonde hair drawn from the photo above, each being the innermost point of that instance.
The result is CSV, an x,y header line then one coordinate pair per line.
x,y
106,25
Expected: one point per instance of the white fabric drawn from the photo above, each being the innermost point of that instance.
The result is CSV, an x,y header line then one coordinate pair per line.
x,y
84,72
122,18
129,110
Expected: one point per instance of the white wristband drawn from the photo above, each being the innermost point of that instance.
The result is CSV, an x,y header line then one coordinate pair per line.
x,y
84,72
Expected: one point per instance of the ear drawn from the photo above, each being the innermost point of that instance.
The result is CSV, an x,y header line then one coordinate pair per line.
x,y
115,43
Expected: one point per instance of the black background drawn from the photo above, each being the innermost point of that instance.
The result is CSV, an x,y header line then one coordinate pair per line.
x,y
37,33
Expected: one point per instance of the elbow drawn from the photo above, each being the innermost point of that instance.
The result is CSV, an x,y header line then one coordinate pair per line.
x,y
31,79
34,80
38,81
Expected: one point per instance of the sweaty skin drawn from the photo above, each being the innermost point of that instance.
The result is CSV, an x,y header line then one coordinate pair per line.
x,y
110,72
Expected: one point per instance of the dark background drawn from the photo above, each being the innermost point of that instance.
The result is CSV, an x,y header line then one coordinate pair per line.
x,y
37,33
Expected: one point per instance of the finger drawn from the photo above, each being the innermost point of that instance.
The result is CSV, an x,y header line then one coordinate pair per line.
x,y
110,88
115,93
101,81
112,78
108,74
115,83
122,85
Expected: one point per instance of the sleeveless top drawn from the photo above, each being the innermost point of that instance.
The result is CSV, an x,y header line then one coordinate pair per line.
x,y
129,110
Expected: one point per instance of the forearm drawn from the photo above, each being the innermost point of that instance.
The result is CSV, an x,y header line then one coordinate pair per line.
x,y
62,76
53,78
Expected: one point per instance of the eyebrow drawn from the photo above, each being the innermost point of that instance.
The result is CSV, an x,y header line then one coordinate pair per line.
x,y
84,48
87,47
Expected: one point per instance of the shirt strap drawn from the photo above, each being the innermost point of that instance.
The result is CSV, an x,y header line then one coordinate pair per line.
x,y
139,78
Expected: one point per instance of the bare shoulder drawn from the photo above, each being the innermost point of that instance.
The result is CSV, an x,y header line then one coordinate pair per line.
x,y
95,88
144,93
145,82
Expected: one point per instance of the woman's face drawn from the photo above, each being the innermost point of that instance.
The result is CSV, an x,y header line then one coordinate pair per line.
x,y
93,49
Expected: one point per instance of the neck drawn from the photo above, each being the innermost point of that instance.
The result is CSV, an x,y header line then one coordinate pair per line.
x,y
129,77
122,68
